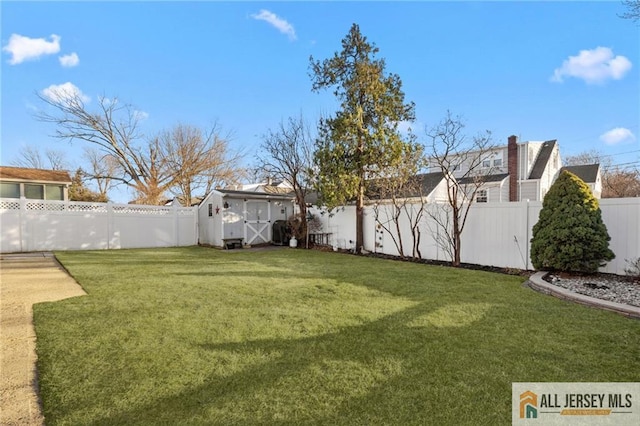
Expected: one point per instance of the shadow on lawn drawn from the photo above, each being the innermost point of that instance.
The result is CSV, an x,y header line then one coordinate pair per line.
x,y
382,372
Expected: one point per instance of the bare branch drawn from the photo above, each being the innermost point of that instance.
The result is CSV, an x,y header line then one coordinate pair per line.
x,y
463,164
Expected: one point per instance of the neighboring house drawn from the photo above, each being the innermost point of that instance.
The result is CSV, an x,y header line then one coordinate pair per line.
x,y
246,217
34,184
523,171
430,187
590,174
269,187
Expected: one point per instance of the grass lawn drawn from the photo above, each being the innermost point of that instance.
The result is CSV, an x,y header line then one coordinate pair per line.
x,y
201,336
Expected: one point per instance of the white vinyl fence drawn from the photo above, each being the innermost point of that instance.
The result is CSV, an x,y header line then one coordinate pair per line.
x,y
496,234
37,225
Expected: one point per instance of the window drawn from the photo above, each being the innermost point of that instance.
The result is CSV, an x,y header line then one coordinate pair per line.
x,y
455,167
54,192
486,163
497,162
9,190
481,196
34,192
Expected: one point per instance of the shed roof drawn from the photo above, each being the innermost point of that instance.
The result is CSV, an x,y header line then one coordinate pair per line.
x,y
252,194
23,174
587,172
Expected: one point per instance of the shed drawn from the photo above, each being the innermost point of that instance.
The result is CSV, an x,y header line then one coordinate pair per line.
x,y
247,217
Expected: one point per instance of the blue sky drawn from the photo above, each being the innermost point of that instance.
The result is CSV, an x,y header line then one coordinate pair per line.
x,y
540,70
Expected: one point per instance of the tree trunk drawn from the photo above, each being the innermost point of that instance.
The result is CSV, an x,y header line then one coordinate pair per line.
x,y
359,221
456,238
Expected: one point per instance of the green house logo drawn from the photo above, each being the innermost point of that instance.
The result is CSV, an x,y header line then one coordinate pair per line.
x,y
528,405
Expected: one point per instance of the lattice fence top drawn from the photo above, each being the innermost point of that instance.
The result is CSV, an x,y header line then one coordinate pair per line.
x,y
98,208
150,210
9,205
80,207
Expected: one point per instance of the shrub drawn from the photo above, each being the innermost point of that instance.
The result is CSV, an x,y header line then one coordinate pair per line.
x,y
570,234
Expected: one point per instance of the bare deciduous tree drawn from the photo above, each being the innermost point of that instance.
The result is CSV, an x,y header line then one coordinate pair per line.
x,y
287,153
201,161
100,169
400,195
113,127
177,161
633,10
461,162
31,157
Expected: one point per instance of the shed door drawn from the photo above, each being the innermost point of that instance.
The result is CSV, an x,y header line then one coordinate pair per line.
x,y
257,224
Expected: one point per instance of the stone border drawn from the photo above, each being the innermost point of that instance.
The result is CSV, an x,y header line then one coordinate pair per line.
x,y
537,283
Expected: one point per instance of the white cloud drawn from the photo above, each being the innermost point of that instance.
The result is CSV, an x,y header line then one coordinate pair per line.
x,y
24,48
280,24
64,92
617,135
70,60
593,66
141,115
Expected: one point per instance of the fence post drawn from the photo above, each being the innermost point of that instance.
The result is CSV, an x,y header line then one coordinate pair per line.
x,y
174,208
23,223
109,224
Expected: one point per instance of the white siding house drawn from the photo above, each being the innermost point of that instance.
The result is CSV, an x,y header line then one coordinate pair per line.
x,y
34,184
521,171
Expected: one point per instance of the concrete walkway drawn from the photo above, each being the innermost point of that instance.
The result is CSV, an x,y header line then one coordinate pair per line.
x,y
25,279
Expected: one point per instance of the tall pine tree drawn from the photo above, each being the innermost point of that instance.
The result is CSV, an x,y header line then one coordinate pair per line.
x,y
361,139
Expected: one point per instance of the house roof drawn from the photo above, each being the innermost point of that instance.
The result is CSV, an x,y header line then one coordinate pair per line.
x,y
587,172
486,178
273,189
543,158
34,175
420,185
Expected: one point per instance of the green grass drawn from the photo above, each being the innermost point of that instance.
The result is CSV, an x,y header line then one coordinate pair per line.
x,y
200,336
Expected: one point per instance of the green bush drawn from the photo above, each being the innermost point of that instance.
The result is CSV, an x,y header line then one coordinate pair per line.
x,y
570,234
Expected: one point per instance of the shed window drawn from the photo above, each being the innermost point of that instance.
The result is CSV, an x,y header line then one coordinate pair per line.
x,y
481,196
9,190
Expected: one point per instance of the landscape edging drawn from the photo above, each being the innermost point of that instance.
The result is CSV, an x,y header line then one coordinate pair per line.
x,y
537,283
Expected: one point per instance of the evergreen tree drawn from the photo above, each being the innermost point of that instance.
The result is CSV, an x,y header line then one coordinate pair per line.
x,y
79,192
570,234
361,139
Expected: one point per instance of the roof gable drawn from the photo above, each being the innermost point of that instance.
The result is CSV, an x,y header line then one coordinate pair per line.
x,y
543,158
587,172
34,175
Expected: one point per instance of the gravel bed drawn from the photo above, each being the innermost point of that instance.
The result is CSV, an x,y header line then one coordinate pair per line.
x,y
607,287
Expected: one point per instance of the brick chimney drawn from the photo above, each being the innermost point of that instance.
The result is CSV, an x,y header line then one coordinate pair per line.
x,y
512,167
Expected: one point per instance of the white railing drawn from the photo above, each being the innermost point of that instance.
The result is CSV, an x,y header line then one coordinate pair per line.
x,y
37,225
